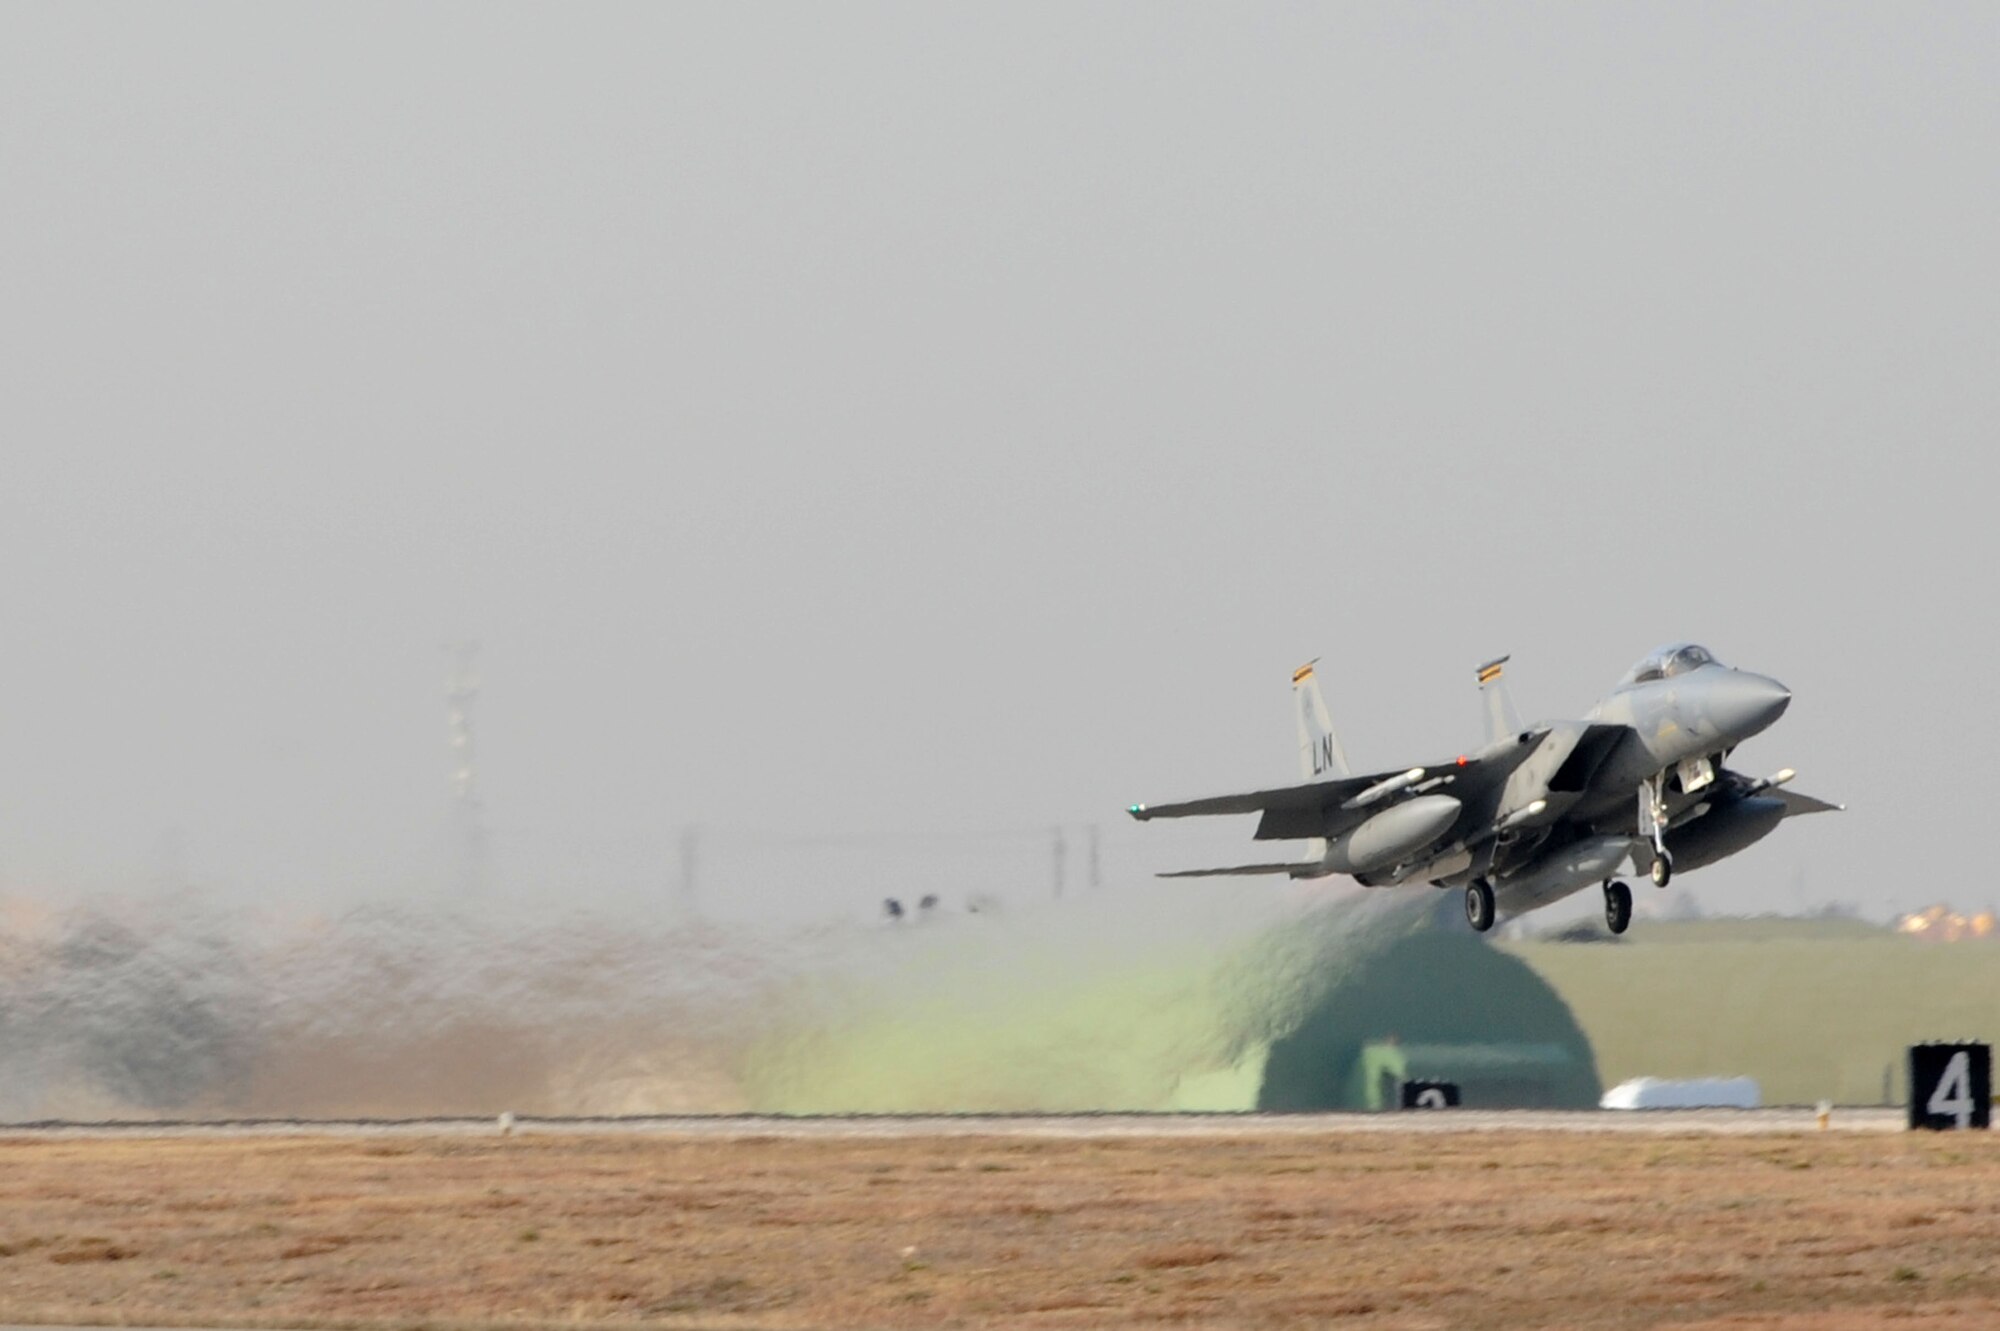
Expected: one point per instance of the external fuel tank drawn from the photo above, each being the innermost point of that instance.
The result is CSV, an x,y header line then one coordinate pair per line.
x,y
1392,836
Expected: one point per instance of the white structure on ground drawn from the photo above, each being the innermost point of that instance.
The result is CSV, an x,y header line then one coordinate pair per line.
x,y
1690,1093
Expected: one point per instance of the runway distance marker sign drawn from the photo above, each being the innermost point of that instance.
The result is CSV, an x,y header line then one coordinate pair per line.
x,y
1430,1095
1951,1086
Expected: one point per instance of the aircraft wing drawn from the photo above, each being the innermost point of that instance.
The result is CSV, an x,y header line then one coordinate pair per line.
x,y
1311,795
1796,804
1320,808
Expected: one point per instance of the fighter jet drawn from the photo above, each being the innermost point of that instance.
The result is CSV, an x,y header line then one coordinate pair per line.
x,y
1539,812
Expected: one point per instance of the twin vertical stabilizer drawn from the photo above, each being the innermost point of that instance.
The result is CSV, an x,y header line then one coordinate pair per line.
x,y
1320,756
1502,721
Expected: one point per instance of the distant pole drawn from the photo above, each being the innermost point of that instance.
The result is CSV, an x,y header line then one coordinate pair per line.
x,y
688,901
1061,850
468,814
1096,877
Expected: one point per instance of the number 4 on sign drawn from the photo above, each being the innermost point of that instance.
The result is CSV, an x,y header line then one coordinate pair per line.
x,y
1953,1096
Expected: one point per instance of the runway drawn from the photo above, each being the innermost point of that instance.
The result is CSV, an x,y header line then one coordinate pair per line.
x,y
1443,1218
1079,1127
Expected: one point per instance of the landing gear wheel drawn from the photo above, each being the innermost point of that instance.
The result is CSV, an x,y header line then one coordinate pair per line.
x,y
1617,906
1653,826
1479,905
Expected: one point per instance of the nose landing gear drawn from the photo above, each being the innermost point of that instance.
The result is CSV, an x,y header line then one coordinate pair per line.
x,y
1653,826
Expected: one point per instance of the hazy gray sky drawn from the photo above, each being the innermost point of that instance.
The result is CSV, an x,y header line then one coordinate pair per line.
x,y
847,419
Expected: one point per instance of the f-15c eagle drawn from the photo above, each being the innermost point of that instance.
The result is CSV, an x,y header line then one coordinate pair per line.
x,y
1542,811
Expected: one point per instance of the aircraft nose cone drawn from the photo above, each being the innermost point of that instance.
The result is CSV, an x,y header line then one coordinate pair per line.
x,y
1743,703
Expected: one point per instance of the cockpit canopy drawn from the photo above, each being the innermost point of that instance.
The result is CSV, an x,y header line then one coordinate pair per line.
x,y
1675,659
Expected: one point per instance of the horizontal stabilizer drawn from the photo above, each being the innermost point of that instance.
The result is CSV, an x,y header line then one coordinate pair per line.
x,y
1796,804
1306,869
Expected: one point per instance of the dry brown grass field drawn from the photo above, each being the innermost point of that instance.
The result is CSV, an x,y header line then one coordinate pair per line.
x,y
1461,1230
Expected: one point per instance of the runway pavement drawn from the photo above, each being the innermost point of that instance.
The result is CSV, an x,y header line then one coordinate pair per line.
x,y
1706,1122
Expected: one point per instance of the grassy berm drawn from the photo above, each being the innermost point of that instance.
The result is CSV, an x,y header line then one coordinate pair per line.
x,y
1471,1230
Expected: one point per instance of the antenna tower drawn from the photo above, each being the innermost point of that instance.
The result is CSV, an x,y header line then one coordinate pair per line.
x,y
468,813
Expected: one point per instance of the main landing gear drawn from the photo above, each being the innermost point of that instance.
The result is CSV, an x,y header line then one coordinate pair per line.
x,y
1617,906
1479,905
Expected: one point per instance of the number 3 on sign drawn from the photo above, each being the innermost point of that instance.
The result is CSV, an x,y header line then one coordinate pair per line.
x,y
1953,1096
